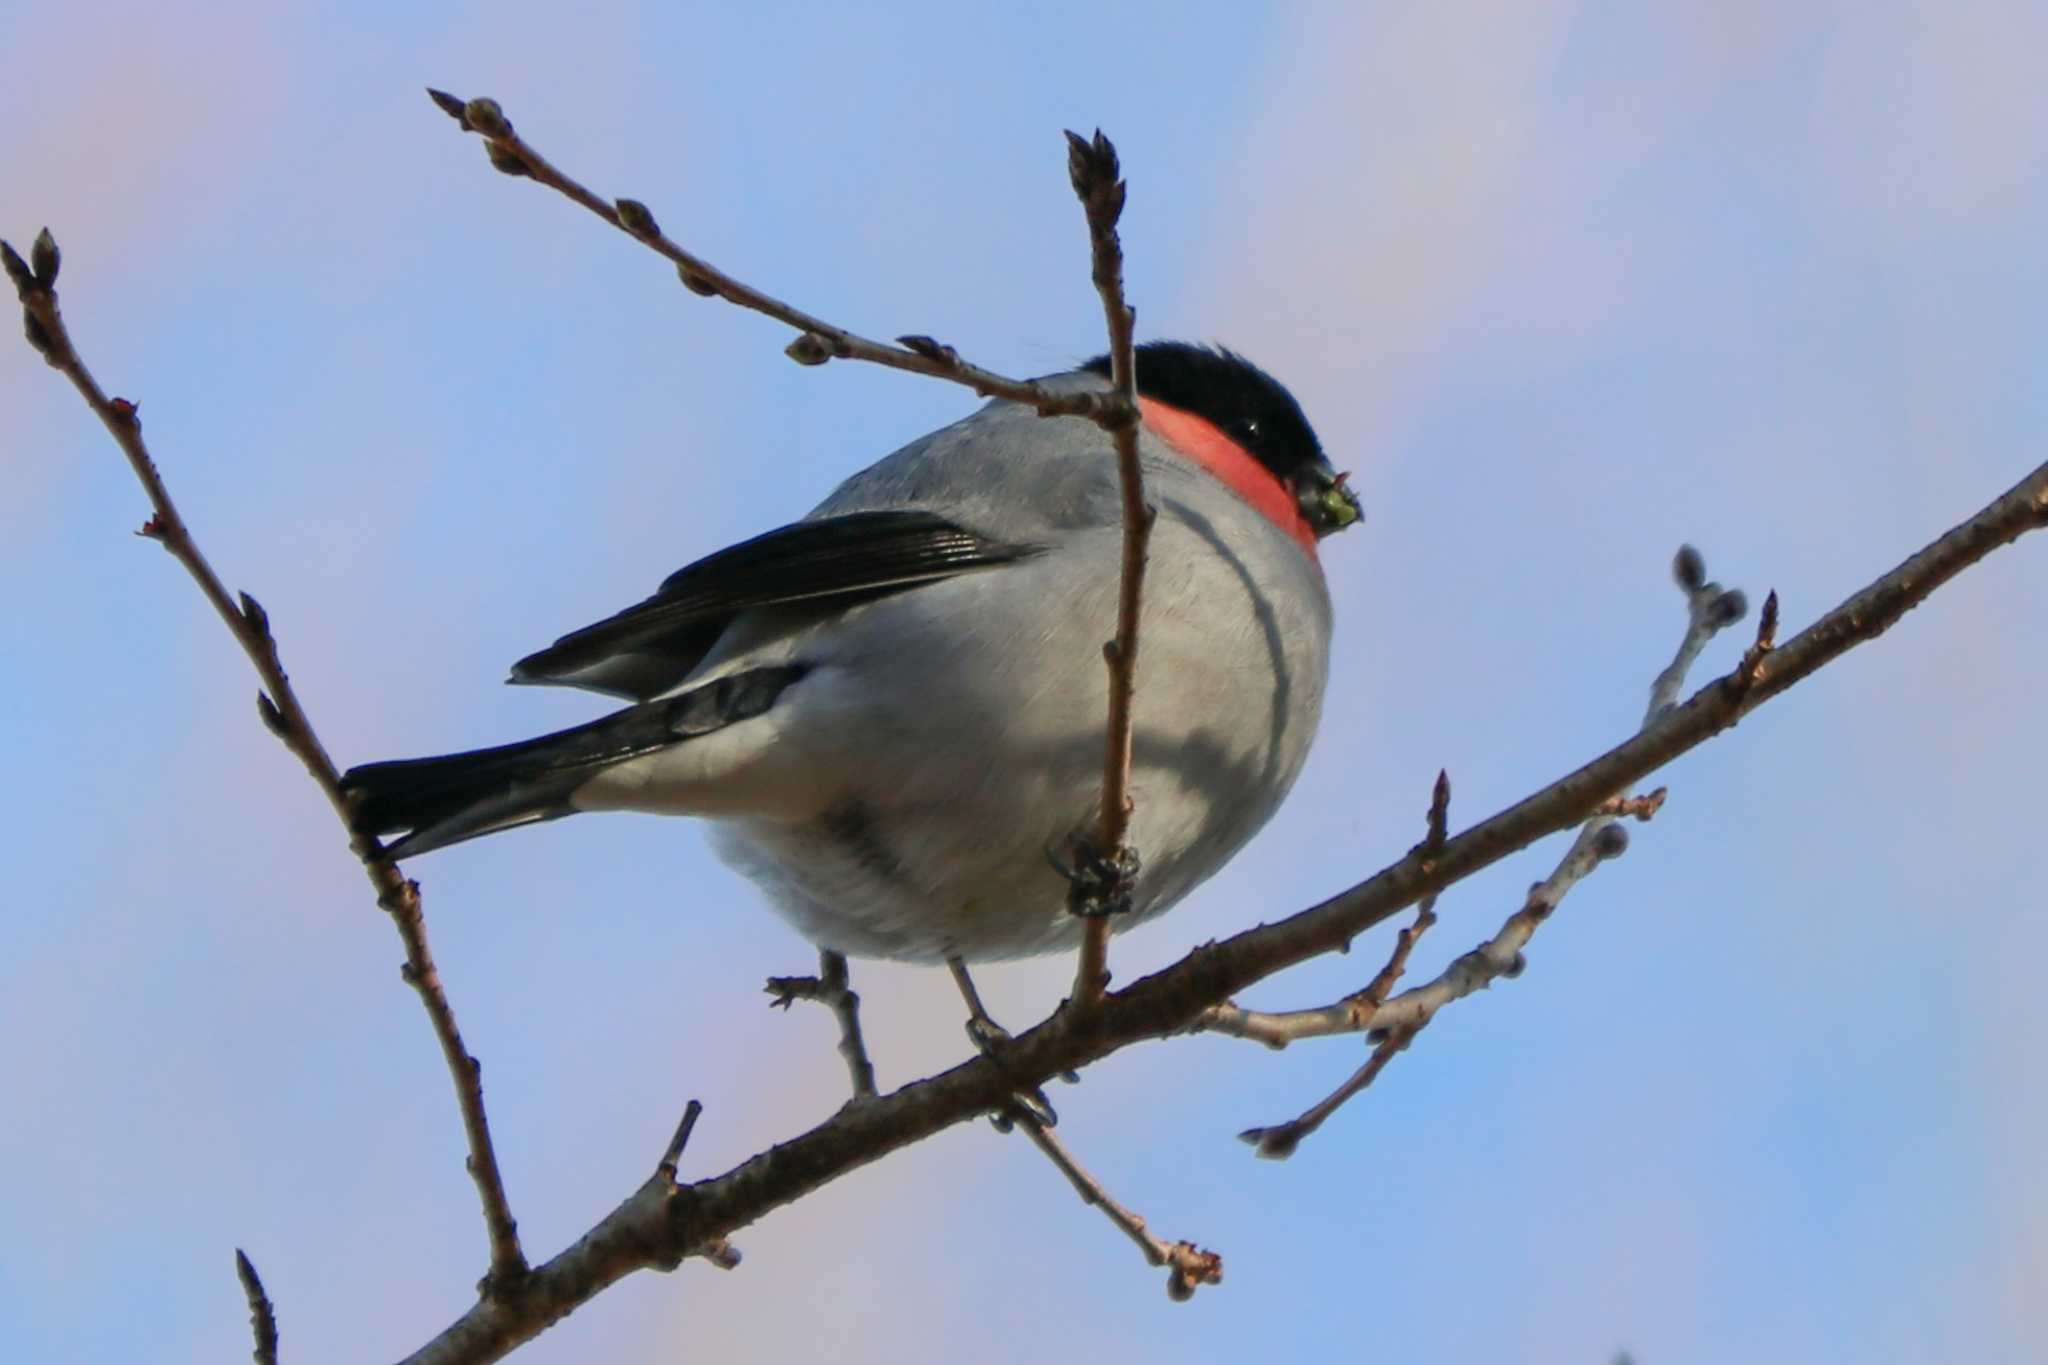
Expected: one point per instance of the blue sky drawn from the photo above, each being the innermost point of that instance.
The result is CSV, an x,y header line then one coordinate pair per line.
x,y
1565,284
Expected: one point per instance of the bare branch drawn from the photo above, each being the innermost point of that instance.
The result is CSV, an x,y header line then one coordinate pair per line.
x,y
830,989
1189,1266
1394,1024
1278,1142
1093,167
262,1317
1438,830
1709,609
818,340
671,1158
278,705
717,1250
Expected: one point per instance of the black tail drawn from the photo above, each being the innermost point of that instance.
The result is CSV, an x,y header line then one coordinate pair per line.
x,y
444,800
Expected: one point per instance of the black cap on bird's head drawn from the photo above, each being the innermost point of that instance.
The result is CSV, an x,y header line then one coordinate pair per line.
x,y
1253,409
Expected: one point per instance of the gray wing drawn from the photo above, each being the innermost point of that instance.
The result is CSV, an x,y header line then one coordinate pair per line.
x,y
649,647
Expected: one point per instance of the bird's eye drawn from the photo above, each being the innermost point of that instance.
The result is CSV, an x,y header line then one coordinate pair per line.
x,y
1249,427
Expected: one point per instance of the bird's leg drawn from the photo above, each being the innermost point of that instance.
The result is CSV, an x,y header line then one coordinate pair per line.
x,y
982,1028
990,1038
830,988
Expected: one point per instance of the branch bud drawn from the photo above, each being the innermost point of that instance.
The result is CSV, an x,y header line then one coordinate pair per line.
x,y
1272,1144
486,117
505,161
809,349
696,283
1092,166
46,258
39,337
1689,569
1610,842
451,105
17,270
253,612
930,348
634,218
1730,607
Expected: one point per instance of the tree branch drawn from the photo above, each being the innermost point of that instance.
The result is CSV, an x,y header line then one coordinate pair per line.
x,y
819,341
1395,1023
282,714
1093,167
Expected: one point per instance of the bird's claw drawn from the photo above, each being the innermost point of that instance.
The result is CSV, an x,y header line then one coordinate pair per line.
x,y
990,1039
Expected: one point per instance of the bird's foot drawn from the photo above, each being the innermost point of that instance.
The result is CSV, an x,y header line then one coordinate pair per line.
x,y
993,1041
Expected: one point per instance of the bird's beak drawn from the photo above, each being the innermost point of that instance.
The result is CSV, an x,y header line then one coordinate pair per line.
x,y
1327,502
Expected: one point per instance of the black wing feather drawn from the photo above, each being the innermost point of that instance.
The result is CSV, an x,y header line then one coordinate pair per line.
x,y
860,554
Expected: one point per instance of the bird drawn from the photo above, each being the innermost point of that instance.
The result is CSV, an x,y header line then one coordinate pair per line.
x,y
891,712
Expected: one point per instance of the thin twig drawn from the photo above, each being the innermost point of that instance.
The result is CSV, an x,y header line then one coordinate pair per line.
x,y
1189,1266
672,1156
278,705
830,988
819,341
718,1251
1396,1022
1278,1142
262,1317
1438,826
1092,165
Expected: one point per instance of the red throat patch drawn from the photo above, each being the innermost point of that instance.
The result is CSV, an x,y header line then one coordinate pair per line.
x,y
1204,442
